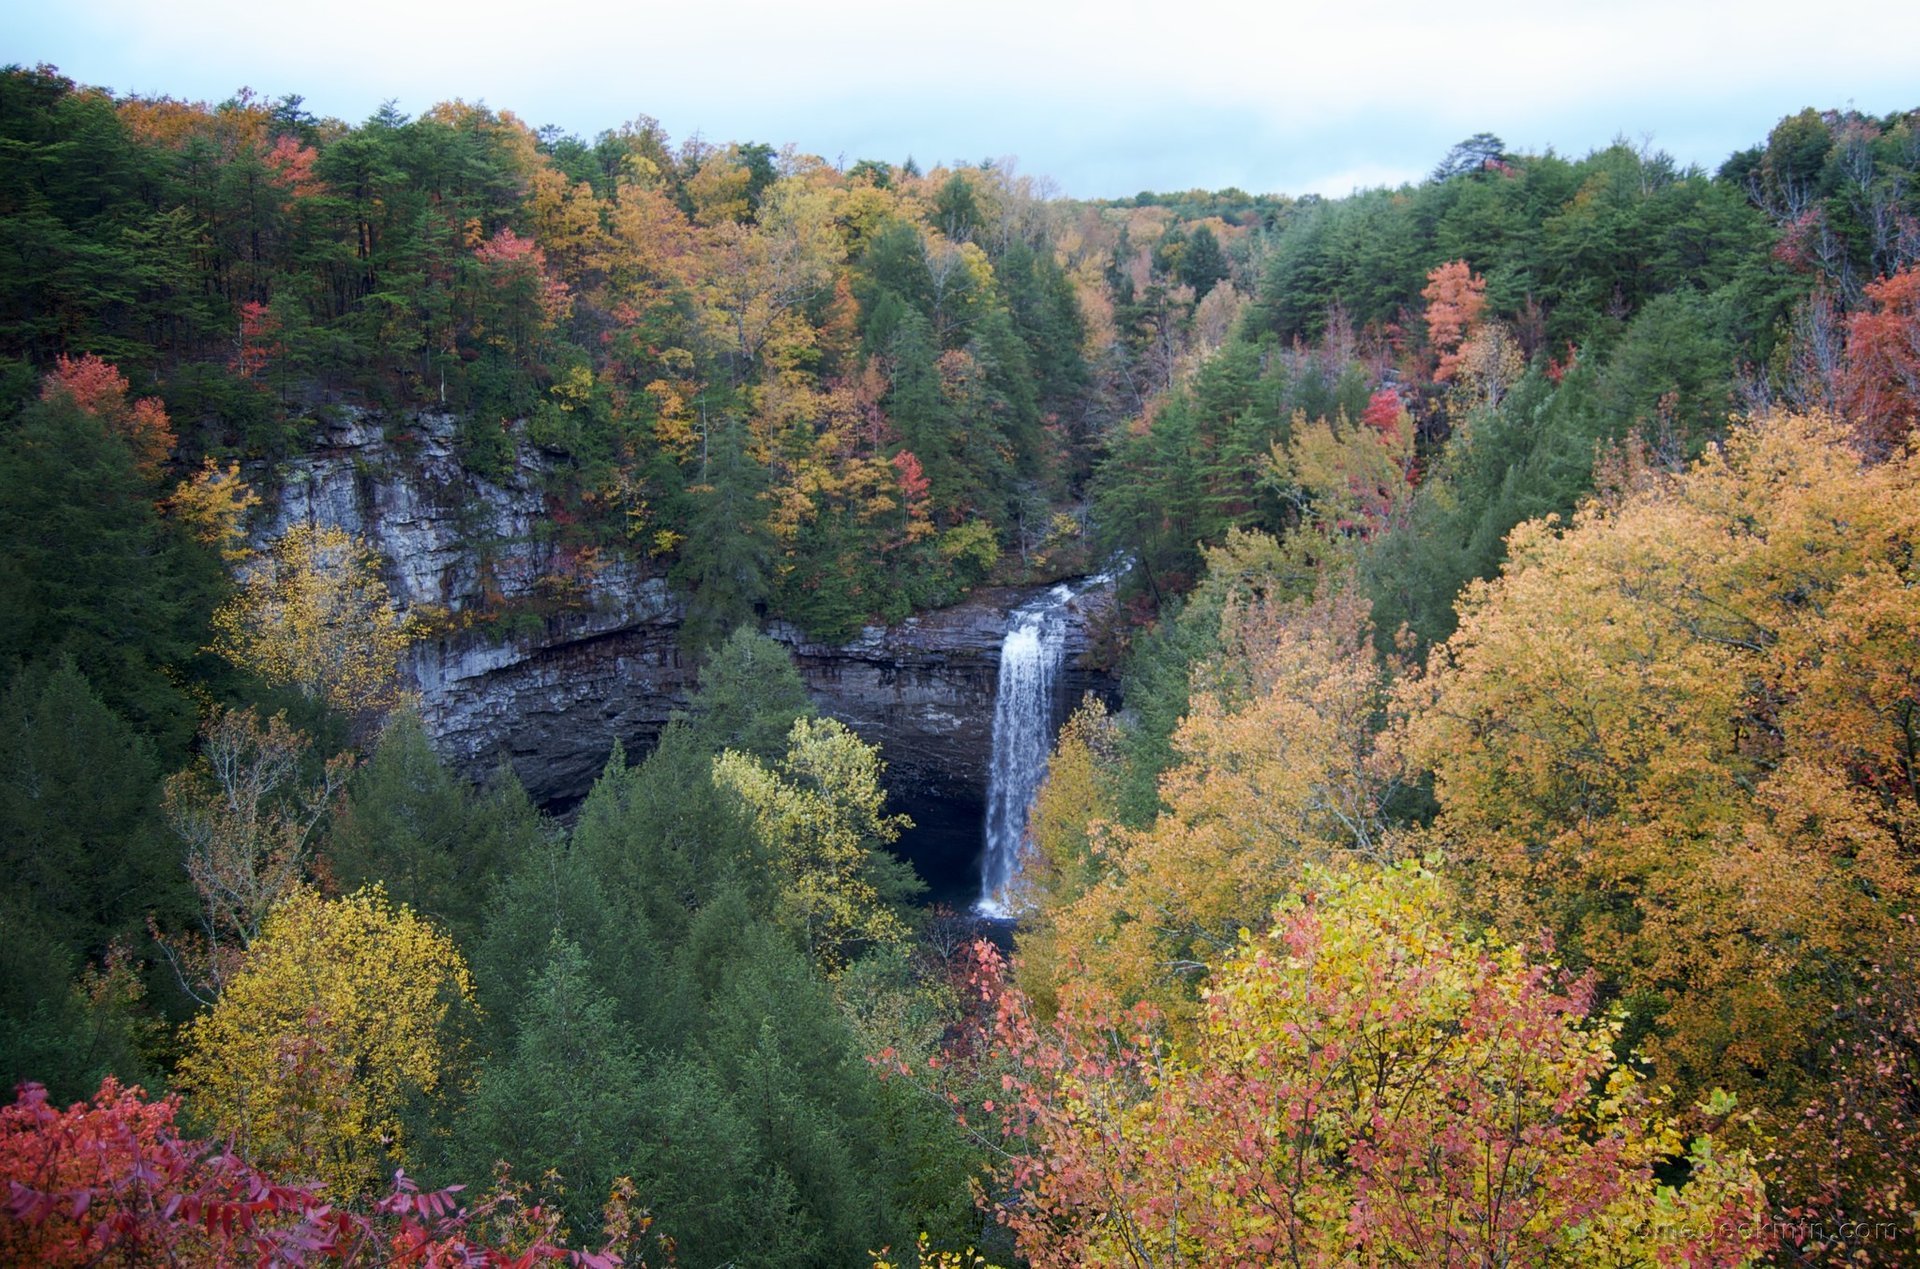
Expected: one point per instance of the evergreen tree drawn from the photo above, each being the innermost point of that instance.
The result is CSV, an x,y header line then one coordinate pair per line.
x,y
79,823
749,697
564,1098
88,568
727,559
63,1024
434,841
1203,266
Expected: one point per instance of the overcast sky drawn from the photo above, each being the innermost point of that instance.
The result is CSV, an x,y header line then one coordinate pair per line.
x,y
1107,97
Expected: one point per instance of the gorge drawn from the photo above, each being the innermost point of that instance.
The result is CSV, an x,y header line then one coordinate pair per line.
x,y
570,670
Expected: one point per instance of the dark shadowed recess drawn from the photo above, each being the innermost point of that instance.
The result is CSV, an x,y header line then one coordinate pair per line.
x,y
943,845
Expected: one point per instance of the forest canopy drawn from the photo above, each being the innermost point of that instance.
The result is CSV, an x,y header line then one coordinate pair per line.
x,y
1499,848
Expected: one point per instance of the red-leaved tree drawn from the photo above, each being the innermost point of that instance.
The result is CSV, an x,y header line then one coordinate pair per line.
x,y
97,388
112,1182
1879,380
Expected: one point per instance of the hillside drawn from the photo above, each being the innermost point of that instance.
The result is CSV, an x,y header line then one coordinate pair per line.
x,y
1488,837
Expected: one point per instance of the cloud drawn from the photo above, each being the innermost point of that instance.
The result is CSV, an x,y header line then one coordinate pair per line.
x,y
1109,97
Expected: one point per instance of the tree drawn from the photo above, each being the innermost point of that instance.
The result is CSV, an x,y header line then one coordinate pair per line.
x,y
1484,369
1475,154
1346,478
727,558
112,1181
315,615
97,388
1456,297
63,1029
1678,732
818,814
956,207
1061,859
1203,266
410,823
1879,385
564,1099
89,568
79,829
1277,766
88,865
1368,1086
749,697
213,505
344,1014
248,811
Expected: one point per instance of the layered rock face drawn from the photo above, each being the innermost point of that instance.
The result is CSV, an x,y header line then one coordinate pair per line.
x,y
550,695
924,689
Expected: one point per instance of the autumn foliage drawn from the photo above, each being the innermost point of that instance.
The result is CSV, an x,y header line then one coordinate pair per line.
x,y
1680,731
247,814
343,1012
1879,384
1277,768
315,615
1456,297
113,1182
1673,741
97,388
1367,1086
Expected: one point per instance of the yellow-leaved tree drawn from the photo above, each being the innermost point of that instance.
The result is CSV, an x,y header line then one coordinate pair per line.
x,y
344,1013
1066,827
315,615
1278,766
1346,477
213,504
820,815
1368,1085
1681,733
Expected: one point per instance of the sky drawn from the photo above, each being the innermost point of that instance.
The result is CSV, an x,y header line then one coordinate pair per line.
x,y
1105,98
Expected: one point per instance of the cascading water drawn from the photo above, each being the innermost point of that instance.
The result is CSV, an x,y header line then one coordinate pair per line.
x,y
1023,726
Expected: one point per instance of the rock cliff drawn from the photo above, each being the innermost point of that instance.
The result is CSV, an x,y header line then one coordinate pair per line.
x,y
551,691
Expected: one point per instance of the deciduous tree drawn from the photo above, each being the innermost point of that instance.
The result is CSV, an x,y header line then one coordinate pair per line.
x,y
1456,297
113,1182
314,614
213,504
343,1014
820,815
96,387
1879,379
248,811
1277,766
1368,1086
1679,732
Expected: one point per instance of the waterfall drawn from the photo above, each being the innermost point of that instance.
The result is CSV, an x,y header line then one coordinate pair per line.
x,y
1023,726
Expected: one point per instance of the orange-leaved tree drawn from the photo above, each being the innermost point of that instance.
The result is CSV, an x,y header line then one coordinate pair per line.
x,y
1681,732
1278,766
1456,296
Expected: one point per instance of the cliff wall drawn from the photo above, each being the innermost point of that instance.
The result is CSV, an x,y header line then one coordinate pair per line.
x,y
553,685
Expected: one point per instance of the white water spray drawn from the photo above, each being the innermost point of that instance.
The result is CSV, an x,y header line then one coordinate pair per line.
x,y
1023,725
